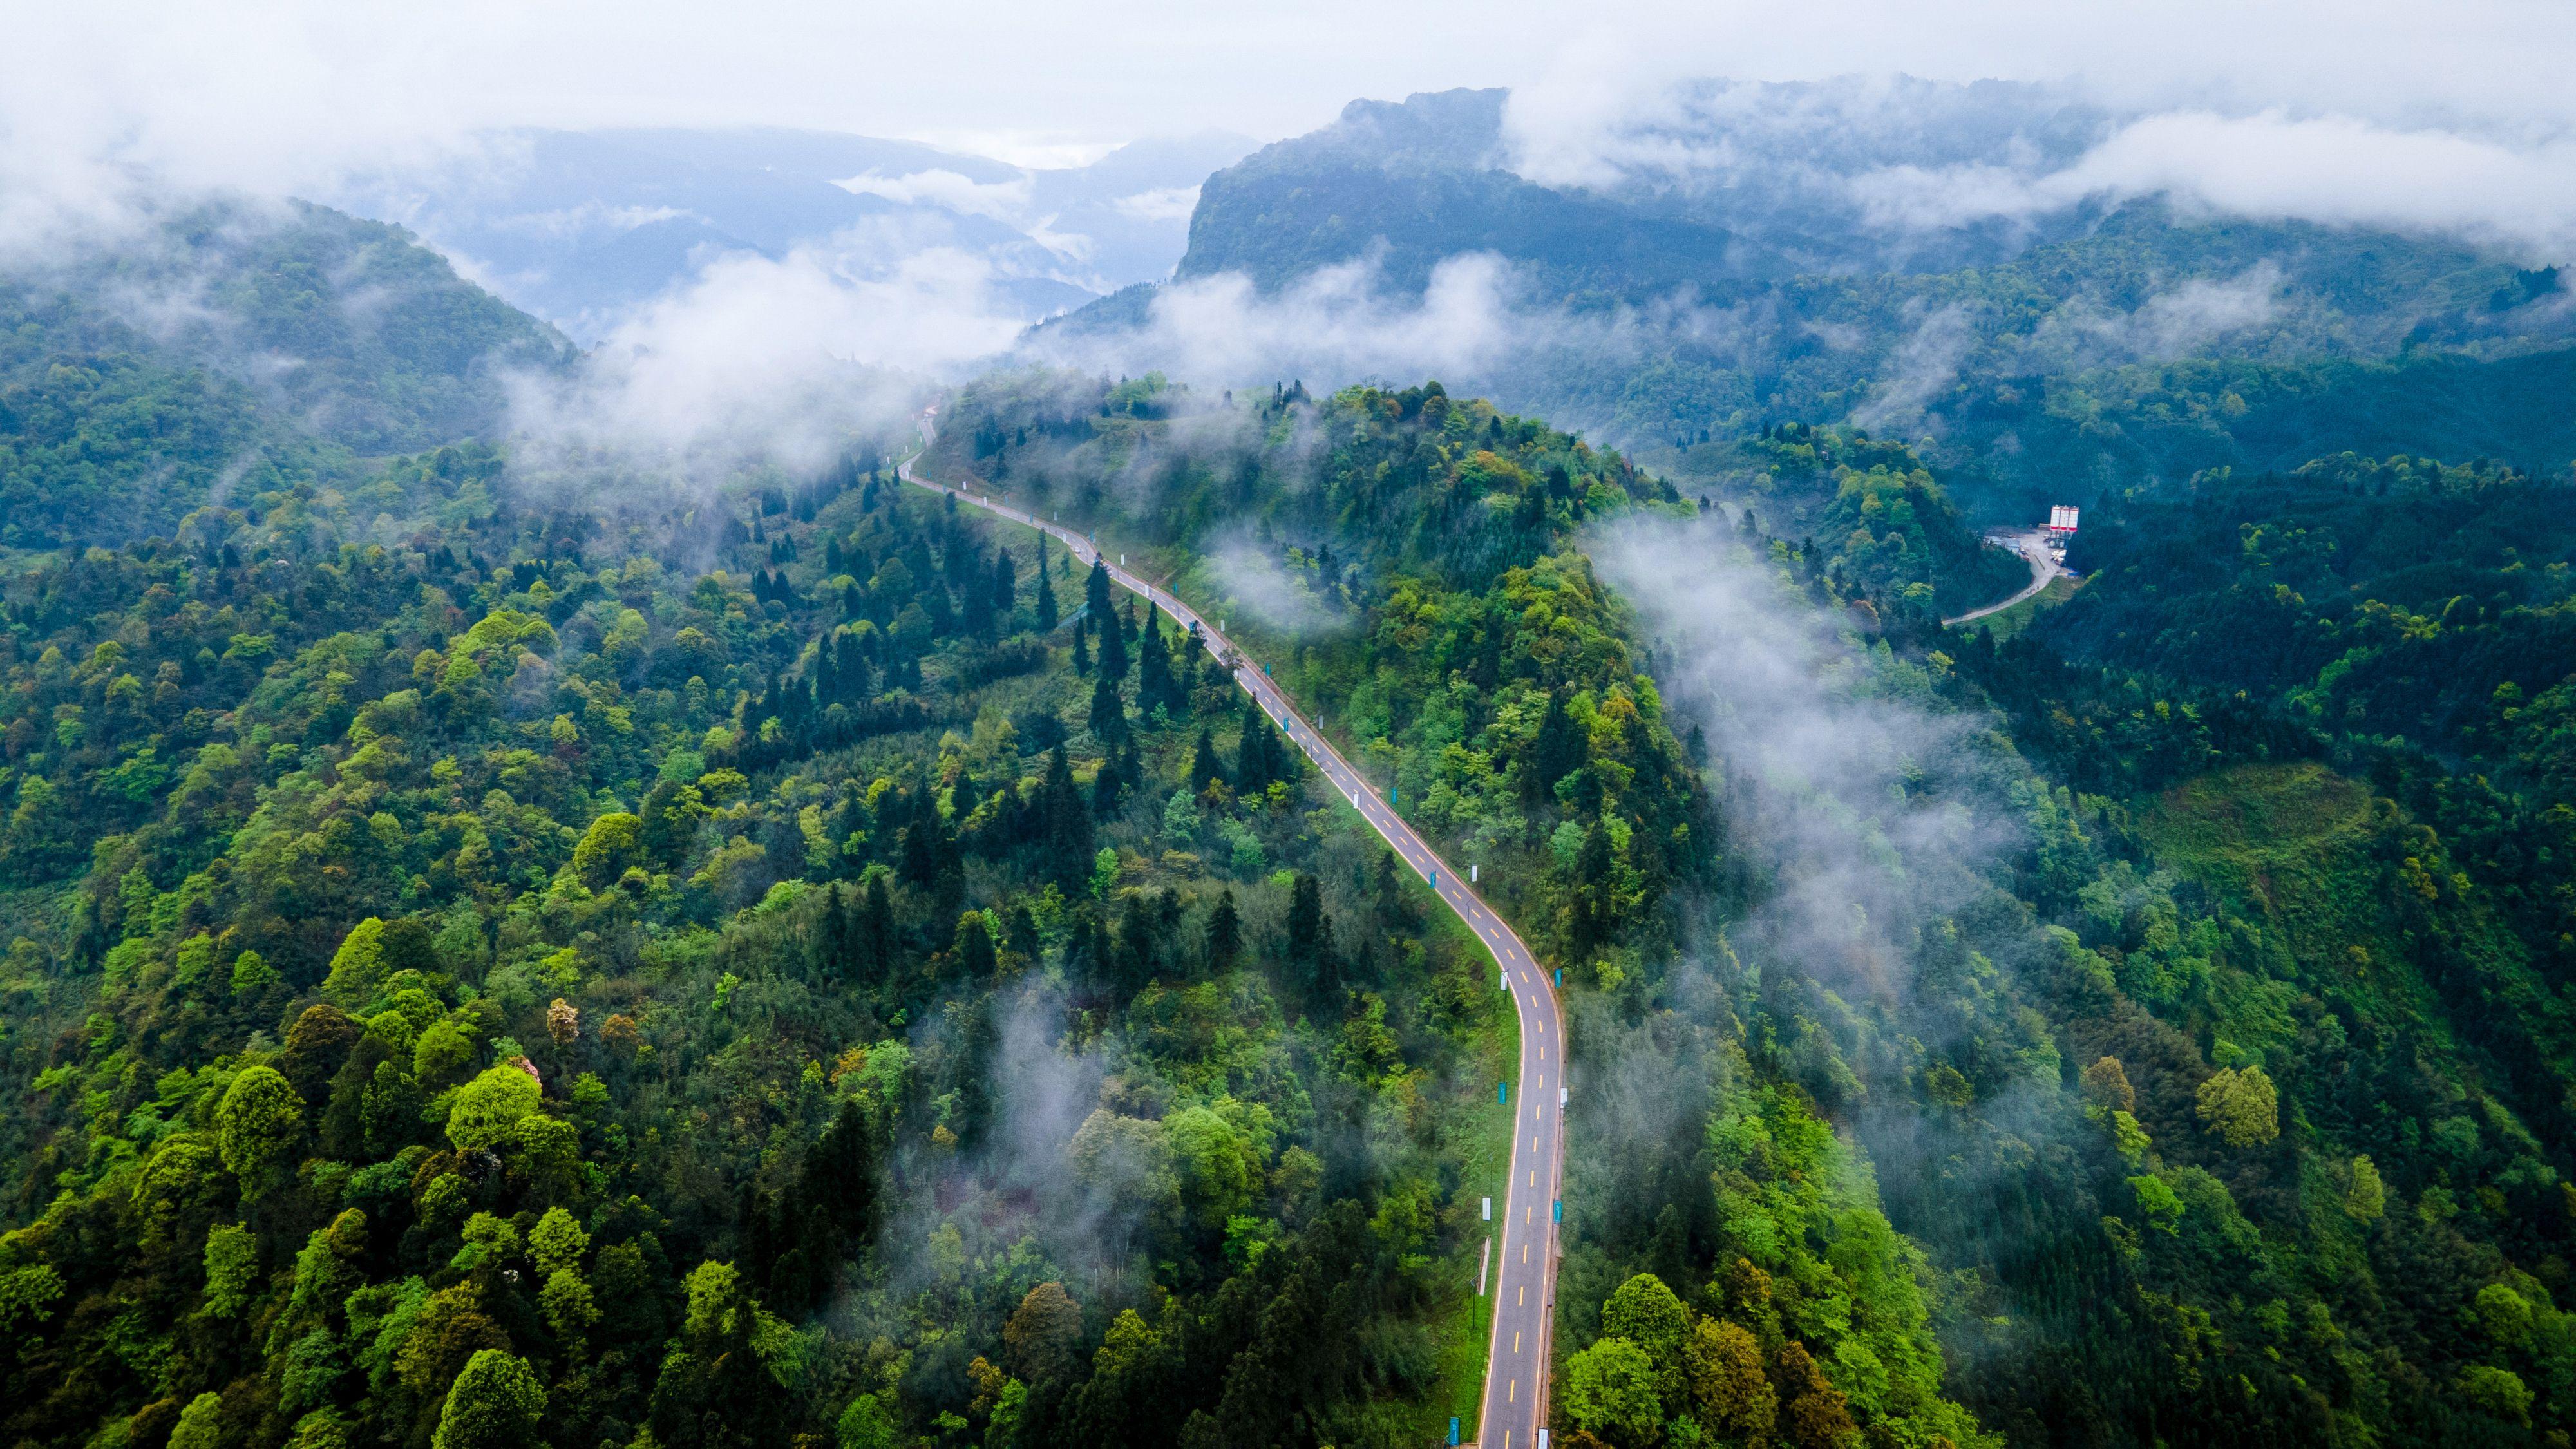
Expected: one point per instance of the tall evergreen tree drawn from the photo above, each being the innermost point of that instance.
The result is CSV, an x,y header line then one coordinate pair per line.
x,y
1306,920
1113,645
1117,776
974,948
875,935
1095,589
1224,933
1108,717
1261,757
1154,670
1067,829
1205,768
837,947
1559,748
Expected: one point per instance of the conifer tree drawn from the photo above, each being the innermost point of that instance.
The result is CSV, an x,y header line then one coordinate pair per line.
x,y
1095,590
875,936
974,947
1153,669
1067,830
1113,645
1108,716
1224,933
1205,768
1558,750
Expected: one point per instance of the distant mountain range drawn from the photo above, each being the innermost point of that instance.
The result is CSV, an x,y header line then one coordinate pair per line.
x,y
1758,253
1743,182
580,227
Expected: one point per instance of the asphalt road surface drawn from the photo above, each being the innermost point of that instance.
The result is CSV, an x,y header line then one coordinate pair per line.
x,y
2044,567
1525,1245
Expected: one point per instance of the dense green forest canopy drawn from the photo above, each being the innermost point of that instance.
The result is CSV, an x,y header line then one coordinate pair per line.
x,y
490,966
2220,1097
548,967
231,349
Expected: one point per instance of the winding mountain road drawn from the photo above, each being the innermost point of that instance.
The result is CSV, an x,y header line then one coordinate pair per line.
x,y
1524,1286
2044,569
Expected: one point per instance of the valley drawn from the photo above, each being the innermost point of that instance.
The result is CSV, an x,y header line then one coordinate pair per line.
x,y
1429,783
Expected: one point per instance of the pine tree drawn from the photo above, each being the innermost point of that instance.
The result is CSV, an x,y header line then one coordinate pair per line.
x,y
1205,768
1095,590
1109,787
1108,716
1262,757
829,1216
1113,645
1306,921
1154,670
1047,617
974,948
1081,645
837,951
1068,832
1224,933
1139,952
1559,749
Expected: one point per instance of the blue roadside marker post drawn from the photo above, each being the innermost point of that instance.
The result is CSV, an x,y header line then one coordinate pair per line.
x,y
1560,976
1556,1211
1453,1434
1503,1092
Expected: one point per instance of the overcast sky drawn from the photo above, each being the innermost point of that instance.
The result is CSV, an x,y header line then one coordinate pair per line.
x,y
2455,117
267,95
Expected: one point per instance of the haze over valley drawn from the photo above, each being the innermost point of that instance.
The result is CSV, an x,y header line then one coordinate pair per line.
x,y
1816,726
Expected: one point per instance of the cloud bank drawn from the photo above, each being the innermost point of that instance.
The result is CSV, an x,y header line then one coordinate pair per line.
x,y
781,361
2273,167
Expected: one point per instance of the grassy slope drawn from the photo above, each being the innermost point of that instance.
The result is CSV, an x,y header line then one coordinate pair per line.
x,y
2007,622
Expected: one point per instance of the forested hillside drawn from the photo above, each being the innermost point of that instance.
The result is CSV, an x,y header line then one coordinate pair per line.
x,y
2207,1090
2293,709
817,967
809,963
234,349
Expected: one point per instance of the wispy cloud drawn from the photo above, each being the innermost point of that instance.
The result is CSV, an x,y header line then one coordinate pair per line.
x,y
1861,803
781,360
1003,200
